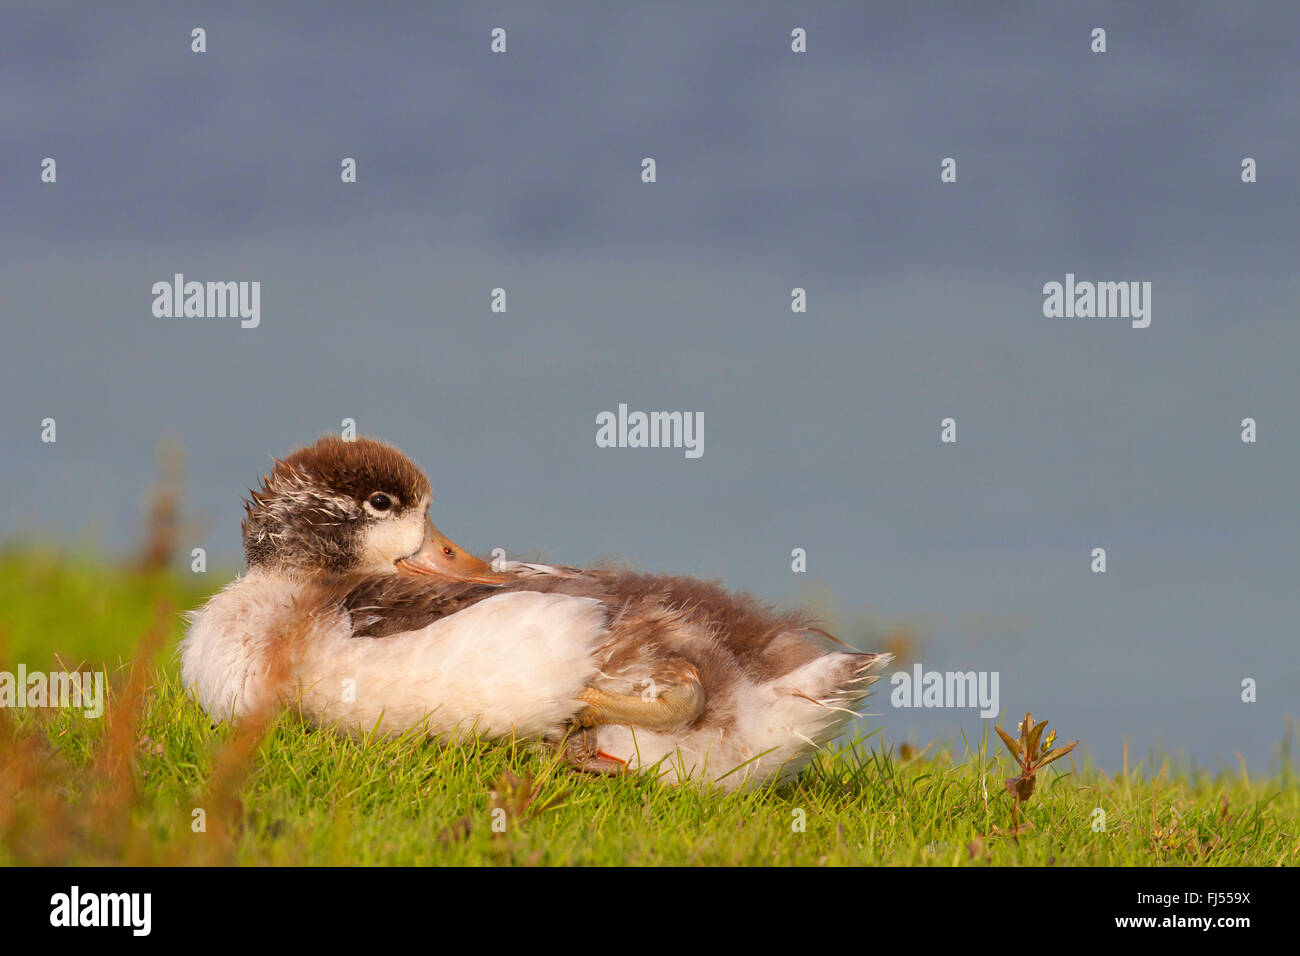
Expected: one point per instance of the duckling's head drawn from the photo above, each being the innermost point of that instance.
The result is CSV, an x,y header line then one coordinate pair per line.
x,y
349,507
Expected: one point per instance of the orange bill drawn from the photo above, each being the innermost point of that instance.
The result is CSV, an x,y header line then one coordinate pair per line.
x,y
441,557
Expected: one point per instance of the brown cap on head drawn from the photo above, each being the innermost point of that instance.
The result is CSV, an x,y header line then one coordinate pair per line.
x,y
356,469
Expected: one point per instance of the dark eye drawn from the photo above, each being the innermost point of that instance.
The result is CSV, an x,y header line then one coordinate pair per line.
x,y
380,501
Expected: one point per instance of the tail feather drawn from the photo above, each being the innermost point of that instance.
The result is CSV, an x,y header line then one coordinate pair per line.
x,y
836,683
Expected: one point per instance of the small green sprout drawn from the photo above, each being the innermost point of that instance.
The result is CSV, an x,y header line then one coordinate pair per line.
x,y
1032,753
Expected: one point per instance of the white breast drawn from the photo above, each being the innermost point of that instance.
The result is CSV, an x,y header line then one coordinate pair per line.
x,y
513,663
225,653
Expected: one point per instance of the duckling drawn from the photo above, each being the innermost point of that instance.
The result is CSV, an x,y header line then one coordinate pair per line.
x,y
357,609
322,618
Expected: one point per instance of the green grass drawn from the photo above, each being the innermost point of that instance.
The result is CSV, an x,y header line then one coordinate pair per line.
x,y
68,793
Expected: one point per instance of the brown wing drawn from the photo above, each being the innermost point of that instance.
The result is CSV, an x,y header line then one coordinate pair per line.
x,y
385,604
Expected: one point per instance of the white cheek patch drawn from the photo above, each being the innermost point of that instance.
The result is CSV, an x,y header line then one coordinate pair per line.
x,y
387,540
